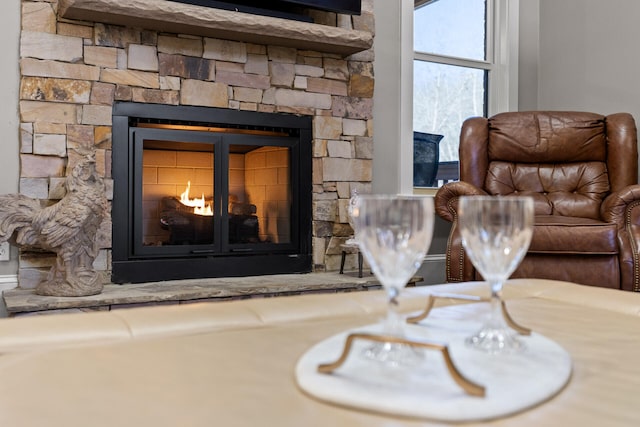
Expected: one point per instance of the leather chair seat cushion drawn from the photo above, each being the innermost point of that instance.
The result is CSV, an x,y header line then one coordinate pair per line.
x,y
573,235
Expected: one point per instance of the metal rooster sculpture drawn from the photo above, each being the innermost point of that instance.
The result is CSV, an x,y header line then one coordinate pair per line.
x,y
68,228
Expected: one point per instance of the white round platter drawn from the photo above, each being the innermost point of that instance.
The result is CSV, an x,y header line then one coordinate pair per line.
x,y
514,382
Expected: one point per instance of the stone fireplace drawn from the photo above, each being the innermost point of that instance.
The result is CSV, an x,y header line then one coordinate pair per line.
x,y
209,192
79,59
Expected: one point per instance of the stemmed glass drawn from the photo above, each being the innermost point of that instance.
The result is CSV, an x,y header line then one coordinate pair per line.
x,y
394,234
353,200
496,232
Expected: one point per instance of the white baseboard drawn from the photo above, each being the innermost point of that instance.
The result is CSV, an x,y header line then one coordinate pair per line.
x,y
433,269
8,281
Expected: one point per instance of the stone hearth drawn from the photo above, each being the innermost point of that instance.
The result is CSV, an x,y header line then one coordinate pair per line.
x,y
78,57
23,301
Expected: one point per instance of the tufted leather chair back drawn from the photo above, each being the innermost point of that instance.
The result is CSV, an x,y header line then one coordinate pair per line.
x,y
567,161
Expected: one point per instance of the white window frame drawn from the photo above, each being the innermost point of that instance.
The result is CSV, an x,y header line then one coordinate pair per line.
x,y
501,61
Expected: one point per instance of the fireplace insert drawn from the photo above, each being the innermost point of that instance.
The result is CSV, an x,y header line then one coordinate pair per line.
x,y
208,192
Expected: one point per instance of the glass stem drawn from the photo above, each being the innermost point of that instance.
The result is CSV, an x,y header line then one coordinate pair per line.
x,y
496,319
393,324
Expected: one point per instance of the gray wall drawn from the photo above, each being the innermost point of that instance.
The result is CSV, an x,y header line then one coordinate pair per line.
x,y
586,58
9,122
9,80
528,50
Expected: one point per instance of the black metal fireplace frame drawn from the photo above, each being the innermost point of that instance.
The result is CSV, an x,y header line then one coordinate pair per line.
x,y
130,264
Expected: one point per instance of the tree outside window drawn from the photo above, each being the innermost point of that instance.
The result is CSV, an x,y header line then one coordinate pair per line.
x,y
452,65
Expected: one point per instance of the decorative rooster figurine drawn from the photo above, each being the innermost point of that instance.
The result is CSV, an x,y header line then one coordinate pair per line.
x,y
68,228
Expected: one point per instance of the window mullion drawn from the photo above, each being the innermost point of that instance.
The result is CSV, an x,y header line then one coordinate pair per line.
x,y
452,60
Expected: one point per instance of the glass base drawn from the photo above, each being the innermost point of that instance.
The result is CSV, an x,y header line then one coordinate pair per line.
x,y
394,355
495,341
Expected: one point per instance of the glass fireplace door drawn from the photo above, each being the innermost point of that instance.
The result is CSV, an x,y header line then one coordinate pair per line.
x,y
176,195
260,193
207,193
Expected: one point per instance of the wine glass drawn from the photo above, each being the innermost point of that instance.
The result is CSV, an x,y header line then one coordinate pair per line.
x,y
353,200
496,232
394,234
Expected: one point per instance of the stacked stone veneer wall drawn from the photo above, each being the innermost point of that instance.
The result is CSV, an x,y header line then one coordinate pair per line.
x,y
73,71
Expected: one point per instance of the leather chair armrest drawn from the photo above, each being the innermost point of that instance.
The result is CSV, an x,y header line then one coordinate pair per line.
x,y
623,209
615,207
446,198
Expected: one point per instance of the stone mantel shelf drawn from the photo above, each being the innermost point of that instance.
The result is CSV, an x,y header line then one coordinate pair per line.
x,y
180,18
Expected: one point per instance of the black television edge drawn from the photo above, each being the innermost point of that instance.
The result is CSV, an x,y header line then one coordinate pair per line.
x,y
281,8
350,7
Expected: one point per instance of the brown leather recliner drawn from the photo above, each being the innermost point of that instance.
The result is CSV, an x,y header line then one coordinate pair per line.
x,y
581,169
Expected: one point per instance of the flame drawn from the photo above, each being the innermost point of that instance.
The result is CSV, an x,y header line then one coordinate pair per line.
x,y
199,206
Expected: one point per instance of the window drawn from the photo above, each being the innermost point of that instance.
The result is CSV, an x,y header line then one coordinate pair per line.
x,y
458,72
